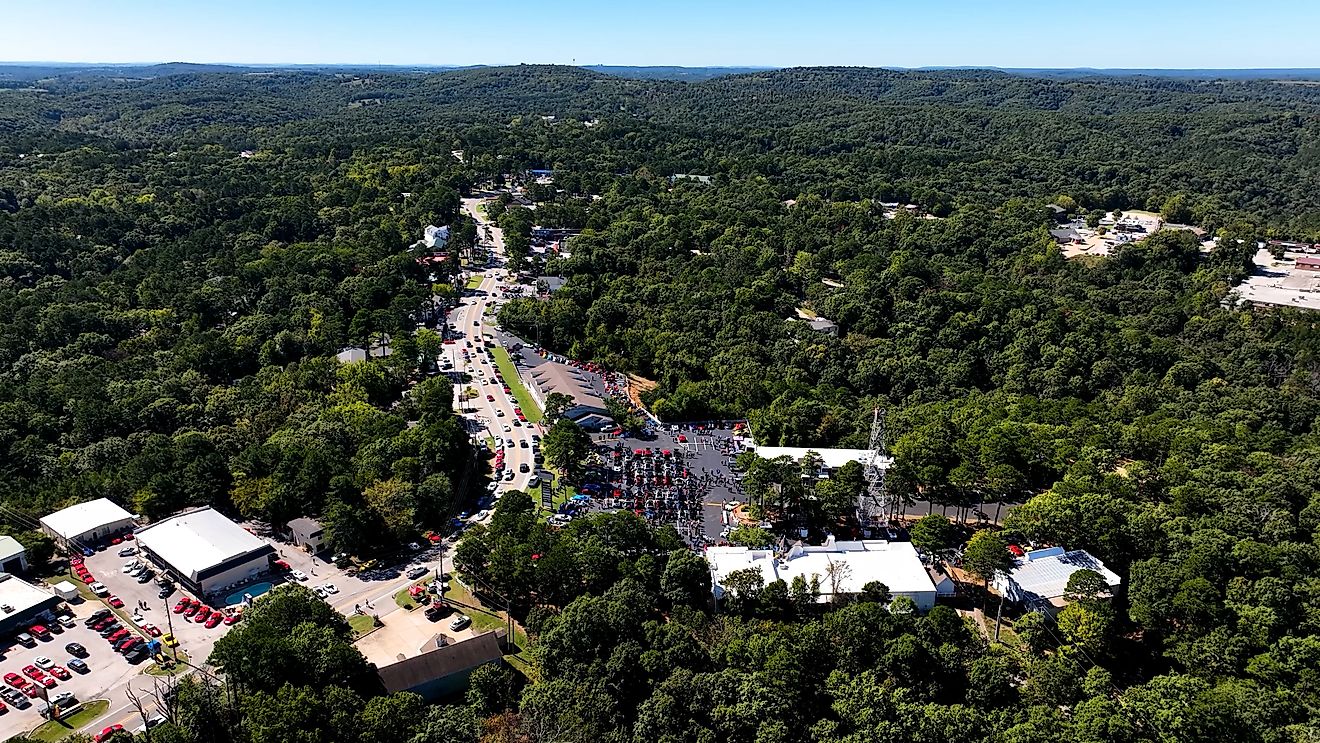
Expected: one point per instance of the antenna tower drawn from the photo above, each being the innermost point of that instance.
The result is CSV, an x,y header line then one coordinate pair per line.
x,y
875,502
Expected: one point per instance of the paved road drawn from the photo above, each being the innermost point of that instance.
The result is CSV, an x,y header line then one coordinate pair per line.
x,y
470,319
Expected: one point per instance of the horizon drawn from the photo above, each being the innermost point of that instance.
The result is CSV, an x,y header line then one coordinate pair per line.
x,y
1027,34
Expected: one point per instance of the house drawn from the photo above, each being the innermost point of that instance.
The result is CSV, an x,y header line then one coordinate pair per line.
x,y
85,524
434,237
842,568
1039,578
307,534
13,555
552,284
821,325
353,354
443,670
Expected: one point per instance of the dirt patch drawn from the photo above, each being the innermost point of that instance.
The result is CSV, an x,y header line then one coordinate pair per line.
x,y
636,386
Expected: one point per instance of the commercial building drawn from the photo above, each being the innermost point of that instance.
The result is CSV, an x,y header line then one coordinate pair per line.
x,y
307,534
830,459
205,552
840,568
1039,578
588,409
86,524
23,604
443,670
13,555
1308,263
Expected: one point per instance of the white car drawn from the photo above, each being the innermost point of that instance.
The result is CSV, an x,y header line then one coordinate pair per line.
x,y
298,575
100,590
506,428
320,592
127,551
483,515
43,662
460,622
129,567
330,589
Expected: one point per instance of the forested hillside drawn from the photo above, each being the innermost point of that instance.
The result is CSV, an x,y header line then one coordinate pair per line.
x,y
182,256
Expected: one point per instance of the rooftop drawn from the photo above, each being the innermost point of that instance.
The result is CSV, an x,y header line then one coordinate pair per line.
x,y
440,662
1041,575
197,540
832,458
893,563
564,379
17,595
10,547
84,517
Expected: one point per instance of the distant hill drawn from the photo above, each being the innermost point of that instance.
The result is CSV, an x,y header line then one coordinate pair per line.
x,y
673,73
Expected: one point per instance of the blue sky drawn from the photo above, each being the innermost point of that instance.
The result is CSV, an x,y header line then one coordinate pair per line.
x,y
1003,33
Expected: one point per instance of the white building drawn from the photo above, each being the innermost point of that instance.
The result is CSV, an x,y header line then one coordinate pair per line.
x,y
86,524
23,604
831,459
1040,577
205,552
435,237
13,555
854,564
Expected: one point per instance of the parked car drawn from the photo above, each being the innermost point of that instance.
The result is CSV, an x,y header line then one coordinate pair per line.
x,y
76,650
145,576
460,622
43,662
63,699
79,665
127,551
298,575
214,620
61,673
26,640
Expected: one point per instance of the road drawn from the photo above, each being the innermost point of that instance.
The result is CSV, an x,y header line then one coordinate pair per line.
x,y
380,595
495,414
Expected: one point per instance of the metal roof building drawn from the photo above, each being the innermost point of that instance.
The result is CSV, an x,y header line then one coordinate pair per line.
x,y
204,551
87,523
442,671
1040,577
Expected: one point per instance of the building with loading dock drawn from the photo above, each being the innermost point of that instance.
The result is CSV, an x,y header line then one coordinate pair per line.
x,y
205,552
23,605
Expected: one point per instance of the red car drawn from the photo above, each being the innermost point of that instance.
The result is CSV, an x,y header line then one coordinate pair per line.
x,y
182,605
108,733
47,682
31,691
89,578
33,673
60,672
214,621
152,630
490,398
191,610
507,391
114,601
233,619
118,635
202,614
14,680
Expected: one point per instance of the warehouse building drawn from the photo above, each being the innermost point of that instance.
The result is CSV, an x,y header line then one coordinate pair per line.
x,y
87,524
1039,579
205,552
23,605
13,555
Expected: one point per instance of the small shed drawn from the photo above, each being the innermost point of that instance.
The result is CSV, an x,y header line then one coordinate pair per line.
x,y
307,534
65,590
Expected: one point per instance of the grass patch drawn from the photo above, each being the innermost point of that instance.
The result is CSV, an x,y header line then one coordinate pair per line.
x,y
59,730
155,669
486,619
361,624
404,600
474,282
520,393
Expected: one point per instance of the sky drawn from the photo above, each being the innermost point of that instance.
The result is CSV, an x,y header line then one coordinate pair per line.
x,y
773,33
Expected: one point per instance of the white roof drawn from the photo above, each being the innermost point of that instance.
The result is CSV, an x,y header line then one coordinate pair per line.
x,y
894,564
19,595
197,540
10,547
833,458
81,518
1042,575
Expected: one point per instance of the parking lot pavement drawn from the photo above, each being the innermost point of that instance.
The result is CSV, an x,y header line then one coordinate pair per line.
x,y
107,669
195,639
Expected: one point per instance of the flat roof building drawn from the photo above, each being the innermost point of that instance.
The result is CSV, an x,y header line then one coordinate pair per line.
x,y
831,458
205,552
854,564
88,523
1040,577
308,534
23,604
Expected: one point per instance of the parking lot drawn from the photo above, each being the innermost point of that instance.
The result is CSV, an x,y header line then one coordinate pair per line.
x,y
106,669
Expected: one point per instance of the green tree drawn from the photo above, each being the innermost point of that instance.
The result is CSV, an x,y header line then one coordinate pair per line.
x,y
933,534
987,556
566,447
